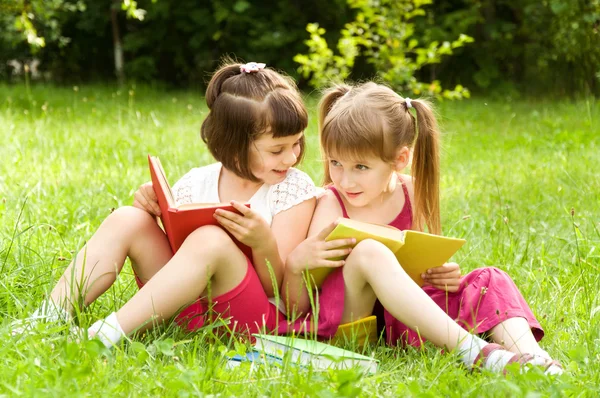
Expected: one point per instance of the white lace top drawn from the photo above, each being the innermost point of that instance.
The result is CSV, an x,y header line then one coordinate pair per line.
x,y
200,185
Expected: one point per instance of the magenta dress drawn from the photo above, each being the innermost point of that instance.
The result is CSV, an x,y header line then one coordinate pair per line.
x,y
486,297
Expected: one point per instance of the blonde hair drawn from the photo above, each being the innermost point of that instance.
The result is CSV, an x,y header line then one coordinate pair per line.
x,y
245,105
372,120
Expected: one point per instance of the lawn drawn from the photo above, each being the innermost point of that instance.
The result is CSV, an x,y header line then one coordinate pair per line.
x,y
519,182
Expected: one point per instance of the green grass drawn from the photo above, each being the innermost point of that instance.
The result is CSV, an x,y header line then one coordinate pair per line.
x,y
512,173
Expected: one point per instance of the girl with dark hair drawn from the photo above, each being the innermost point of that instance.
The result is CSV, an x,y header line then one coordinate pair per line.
x,y
255,132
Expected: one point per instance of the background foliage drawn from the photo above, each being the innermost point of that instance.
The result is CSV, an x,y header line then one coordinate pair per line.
x,y
528,46
383,32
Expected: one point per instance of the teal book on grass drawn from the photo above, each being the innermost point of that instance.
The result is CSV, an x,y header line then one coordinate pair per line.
x,y
252,357
313,353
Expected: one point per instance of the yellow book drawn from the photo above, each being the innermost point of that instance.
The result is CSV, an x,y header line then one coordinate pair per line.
x,y
416,251
362,331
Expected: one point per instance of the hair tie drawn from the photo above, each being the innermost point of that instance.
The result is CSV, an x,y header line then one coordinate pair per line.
x,y
407,102
251,67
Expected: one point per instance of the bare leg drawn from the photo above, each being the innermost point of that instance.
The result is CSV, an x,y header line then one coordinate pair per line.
x,y
208,254
515,334
128,231
372,271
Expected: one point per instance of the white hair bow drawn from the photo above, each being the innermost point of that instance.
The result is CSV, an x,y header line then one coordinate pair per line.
x,y
251,67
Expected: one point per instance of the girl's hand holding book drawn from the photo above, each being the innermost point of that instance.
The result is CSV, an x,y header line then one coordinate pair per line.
x,y
145,199
445,277
315,252
250,228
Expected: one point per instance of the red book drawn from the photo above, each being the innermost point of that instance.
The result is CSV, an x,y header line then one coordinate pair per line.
x,y
180,221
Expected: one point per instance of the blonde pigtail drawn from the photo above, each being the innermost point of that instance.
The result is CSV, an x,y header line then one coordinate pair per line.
x,y
426,169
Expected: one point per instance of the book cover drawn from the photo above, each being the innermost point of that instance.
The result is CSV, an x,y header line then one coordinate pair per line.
x,y
180,221
362,331
254,357
319,355
416,251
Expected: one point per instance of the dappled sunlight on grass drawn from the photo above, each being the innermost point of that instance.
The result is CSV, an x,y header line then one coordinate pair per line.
x,y
519,182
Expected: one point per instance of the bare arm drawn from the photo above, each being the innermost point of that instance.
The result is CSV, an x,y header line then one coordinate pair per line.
x,y
314,252
288,229
269,244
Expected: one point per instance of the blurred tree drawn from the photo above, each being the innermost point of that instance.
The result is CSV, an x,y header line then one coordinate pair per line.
x,y
520,45
382,32
182,42
38,22
132,12
27,26
529,46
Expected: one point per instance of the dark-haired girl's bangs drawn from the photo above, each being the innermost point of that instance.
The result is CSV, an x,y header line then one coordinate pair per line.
x,y
285,114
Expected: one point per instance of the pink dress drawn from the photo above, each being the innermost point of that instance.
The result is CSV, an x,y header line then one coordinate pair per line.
x,y
486,297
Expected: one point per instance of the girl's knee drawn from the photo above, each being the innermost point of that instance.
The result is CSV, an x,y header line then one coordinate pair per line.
x,y
492,272
209,233
132,218
213,238
490,276
364,254
369,248
212,246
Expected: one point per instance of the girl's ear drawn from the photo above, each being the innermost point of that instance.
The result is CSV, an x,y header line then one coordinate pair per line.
x,y
402,158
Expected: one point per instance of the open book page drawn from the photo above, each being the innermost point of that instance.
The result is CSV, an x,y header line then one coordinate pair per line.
x,y
422,251
180,221
187,206
159,178
347,228
158,173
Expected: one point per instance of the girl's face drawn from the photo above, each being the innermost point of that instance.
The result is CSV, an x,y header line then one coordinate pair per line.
x,y
363,181
271,158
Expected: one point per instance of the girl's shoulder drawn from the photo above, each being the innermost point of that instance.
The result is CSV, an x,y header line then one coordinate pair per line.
x,y
407,179
198,174
202,171
296,188
327,197
295,181
190,187
295,174
408,182
329,202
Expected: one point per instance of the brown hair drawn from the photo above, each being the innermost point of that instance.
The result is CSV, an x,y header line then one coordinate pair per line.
x,y
371,119
245,105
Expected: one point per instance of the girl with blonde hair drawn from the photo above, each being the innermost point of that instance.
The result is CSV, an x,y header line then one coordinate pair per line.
x,y
368,134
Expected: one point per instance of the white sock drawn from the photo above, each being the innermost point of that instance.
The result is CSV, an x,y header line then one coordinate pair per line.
x,y
541,353
541,358
50,312
469,348
497,360
472,346
554,370
107,330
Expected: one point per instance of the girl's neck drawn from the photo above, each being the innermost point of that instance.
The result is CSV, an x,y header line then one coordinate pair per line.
x,y
381,210
233,187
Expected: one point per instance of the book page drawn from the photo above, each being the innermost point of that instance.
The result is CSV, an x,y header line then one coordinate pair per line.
x,y
165,184
187,206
